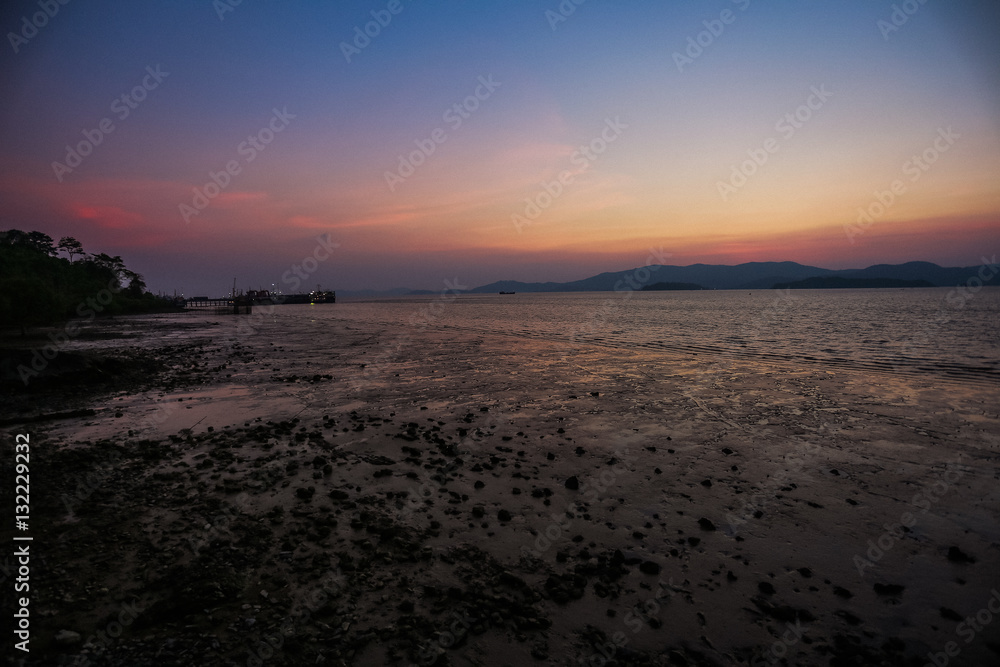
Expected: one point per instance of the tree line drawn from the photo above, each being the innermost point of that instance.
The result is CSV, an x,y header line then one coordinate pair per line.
x,y
44,282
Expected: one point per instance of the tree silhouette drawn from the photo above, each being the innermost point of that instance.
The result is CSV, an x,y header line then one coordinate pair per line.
x,y
39,287
70,246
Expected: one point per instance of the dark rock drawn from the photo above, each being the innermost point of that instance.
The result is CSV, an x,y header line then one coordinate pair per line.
x,y
573,483
848,617
706,524
649,567
842,593
950,614
894,590
956,555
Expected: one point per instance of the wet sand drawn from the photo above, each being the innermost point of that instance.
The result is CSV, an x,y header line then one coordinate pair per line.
x,y
241,495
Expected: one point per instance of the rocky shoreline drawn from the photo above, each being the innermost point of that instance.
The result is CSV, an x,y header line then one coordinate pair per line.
x,y
244,499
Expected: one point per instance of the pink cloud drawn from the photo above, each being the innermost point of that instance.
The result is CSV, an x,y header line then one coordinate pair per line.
x,y
106,217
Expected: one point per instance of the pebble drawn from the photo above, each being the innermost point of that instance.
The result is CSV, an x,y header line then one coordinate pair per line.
x,y
68,637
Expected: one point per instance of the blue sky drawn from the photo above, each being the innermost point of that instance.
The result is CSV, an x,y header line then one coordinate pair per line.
x,y
655,185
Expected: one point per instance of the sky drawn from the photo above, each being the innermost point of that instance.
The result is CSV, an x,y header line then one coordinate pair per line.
x,y
405,143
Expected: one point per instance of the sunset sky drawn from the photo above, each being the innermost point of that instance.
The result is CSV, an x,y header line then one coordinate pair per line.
x,y
664,122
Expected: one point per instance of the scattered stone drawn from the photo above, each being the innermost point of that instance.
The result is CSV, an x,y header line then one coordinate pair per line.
x,y
842,593
706,524
956,555
894,590
67,637
950,614
573,483
649,567
848,617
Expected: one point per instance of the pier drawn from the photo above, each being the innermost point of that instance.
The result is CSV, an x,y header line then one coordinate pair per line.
x,y
239,306
243,303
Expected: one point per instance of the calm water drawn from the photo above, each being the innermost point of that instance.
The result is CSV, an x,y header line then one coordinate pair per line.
x,y
921,331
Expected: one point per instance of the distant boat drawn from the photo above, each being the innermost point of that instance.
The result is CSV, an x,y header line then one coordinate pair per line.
x,y
508,292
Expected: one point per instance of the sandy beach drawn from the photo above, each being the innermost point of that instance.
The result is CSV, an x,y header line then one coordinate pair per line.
x,y
219,493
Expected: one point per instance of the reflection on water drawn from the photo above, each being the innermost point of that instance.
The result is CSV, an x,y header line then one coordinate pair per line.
x,y
912,330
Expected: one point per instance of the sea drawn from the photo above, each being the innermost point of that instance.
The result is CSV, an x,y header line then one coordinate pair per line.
x,y
944,333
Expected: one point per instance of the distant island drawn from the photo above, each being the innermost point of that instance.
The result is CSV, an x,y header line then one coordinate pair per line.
x,y
666,287
749,276
834,282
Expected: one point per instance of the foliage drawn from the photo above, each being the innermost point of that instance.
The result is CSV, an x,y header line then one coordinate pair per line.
x,y
38,287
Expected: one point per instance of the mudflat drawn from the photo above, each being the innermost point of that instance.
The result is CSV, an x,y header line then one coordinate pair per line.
x,y
294,492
